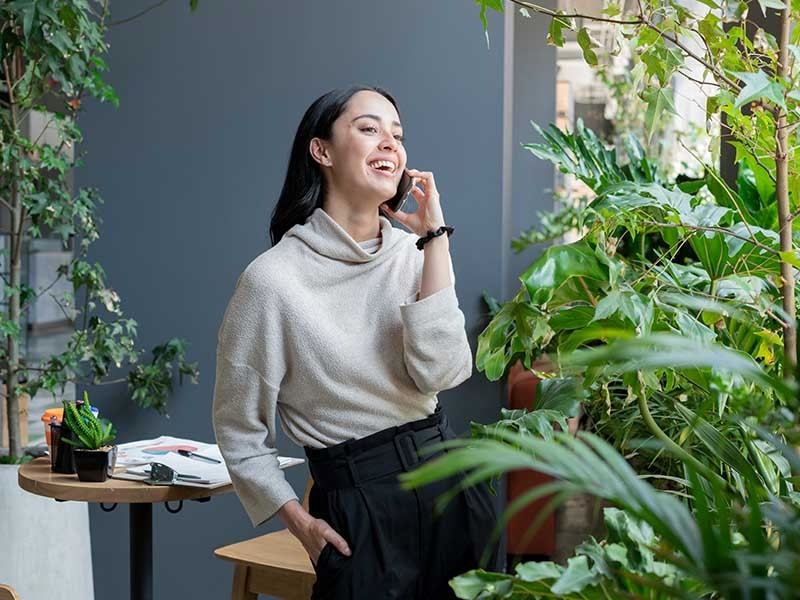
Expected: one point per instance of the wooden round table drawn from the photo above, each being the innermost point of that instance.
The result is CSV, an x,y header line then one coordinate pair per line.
x,y
37,478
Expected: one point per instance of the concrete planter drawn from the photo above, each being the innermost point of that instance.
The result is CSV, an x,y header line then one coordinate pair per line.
x,y
45,548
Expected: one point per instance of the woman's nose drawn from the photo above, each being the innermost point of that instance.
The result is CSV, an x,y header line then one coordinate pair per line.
x,y
389,142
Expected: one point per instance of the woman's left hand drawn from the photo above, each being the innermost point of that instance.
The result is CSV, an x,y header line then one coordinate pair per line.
x,y
428,216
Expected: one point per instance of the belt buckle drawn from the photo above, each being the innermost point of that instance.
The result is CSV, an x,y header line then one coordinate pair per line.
x,y
407,460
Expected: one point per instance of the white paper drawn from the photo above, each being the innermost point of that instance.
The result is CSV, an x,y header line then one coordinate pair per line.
x,y
138,455
143,452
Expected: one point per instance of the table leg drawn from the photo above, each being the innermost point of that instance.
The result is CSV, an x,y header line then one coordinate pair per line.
x,y
141,538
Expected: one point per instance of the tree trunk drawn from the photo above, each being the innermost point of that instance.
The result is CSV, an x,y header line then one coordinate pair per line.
x,y
12,399
784,216
15,268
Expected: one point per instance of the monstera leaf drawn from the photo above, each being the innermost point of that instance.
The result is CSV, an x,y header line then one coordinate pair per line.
x,y
572,266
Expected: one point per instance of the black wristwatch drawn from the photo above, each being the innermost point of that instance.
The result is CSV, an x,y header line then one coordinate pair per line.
x,y
432,234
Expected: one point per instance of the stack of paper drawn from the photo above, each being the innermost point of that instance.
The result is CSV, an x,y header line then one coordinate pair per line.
x,y
137,456
144,452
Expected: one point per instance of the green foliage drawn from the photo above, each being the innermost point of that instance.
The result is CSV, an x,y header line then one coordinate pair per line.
x,y
583,154
656,548
51,58
153,382
92,432
655,258
672,313
623,562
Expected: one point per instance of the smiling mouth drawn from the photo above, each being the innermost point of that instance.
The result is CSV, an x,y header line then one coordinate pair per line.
x,y
384,172
383,165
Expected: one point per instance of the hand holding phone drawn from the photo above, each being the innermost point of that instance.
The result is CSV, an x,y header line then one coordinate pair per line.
x,y
428,216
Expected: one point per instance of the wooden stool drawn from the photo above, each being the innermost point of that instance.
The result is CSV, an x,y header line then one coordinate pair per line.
x,y
276,564
7,593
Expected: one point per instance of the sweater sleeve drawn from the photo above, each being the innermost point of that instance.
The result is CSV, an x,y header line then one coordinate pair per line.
x,y
435,345
248,371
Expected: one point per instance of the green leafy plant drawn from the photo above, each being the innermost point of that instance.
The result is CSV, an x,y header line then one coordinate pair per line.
x,y
91,432
748,68
714,546
655,258
733,538
675,313
51,59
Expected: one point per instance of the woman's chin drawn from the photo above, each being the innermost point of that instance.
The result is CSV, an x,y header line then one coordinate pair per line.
x,y
383,192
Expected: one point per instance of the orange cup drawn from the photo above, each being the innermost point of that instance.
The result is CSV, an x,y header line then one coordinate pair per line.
x,y
58,413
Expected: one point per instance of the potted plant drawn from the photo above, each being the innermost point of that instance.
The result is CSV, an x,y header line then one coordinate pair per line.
x,y
94,457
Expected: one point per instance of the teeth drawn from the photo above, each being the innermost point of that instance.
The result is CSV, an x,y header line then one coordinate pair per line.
x,y
381,163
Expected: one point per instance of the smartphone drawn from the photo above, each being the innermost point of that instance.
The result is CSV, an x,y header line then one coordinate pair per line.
x,y
403,189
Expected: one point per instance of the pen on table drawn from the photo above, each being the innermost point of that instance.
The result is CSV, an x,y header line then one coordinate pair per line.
x,y
190,454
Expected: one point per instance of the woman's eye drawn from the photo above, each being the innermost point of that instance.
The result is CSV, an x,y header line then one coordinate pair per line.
x,y
399,138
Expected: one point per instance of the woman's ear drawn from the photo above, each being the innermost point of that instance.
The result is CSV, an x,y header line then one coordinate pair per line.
x,y
319,152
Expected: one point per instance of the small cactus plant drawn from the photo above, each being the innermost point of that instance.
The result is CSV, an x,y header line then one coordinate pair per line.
x,y
91,432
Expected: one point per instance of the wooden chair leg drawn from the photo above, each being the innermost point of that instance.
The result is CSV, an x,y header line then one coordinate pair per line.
x,y
239,591
308,586
301,592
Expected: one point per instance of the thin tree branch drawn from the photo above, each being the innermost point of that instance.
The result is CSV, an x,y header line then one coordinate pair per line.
x,y
722,230
588,291
46,126
110,381
641,20
717,73
731,196
137,15
697,81
67,316
552,13
40,293
766,170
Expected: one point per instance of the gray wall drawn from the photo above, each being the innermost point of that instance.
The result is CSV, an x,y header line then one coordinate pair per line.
x,y
192,162
532,98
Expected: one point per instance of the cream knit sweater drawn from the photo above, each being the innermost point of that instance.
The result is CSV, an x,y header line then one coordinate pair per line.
x,y
330,337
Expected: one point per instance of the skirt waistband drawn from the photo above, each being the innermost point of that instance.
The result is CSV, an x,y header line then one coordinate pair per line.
x,y
394,449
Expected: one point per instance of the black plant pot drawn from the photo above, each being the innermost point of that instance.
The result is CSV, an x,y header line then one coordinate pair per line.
x,y
64,459
94,465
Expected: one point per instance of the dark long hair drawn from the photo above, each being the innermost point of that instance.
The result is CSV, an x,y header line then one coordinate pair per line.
x,y
304,186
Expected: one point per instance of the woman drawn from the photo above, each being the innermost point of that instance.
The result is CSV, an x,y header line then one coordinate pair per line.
x,y
347,330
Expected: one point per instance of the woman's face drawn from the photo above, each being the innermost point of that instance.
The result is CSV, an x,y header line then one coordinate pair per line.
x,y
367,131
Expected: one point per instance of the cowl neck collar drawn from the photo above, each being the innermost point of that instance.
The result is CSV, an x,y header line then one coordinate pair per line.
x,y
324,235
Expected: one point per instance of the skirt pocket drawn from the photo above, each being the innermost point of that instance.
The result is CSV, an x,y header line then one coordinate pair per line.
x,y
331,563
322,558
483,517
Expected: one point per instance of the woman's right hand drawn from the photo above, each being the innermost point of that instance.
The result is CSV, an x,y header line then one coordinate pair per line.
x,y
313,533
